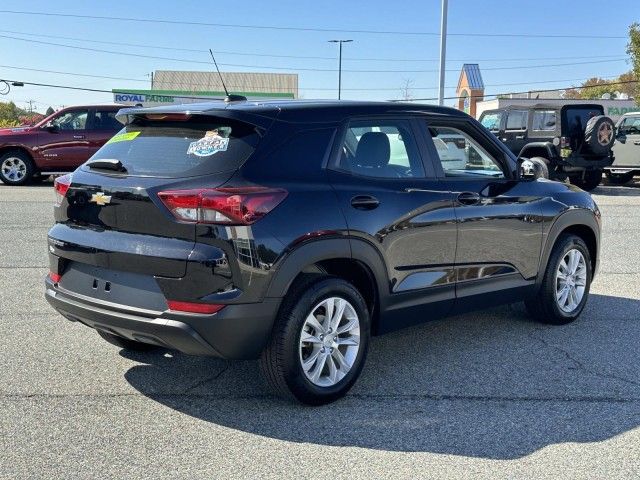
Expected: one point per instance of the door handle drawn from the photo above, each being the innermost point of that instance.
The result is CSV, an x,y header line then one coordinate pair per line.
x,y
519,137
78,137
468,198
364,202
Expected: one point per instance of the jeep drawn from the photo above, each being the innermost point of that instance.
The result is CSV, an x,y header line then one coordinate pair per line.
x,y
292,231
574,141
58,144
626,149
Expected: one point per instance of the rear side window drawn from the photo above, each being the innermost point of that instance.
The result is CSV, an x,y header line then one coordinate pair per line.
x,y
491,121
199,146
106,120
517,120
544,120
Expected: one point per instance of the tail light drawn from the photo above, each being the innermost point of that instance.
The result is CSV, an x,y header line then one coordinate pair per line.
x,y
565,142
225,206
61,185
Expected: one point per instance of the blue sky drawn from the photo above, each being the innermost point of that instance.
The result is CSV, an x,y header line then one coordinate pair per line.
x,y
465,16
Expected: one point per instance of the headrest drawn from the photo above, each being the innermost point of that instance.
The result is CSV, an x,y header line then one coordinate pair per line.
x,y
373,150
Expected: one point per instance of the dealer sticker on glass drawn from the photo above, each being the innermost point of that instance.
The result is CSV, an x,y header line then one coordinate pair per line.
x,y
211,143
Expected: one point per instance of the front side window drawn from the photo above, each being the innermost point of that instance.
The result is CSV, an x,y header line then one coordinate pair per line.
x,y
384,149
462,156
491,121
629,125
544,120
517,120
71,120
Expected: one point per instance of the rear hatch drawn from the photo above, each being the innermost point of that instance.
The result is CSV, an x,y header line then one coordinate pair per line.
x,y
111,216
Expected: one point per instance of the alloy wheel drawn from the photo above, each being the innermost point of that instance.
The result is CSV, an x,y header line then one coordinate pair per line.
x,y
571,280
329,342
14,169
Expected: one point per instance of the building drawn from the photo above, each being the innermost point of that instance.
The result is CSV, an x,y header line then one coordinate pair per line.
x,y
175,87
470,89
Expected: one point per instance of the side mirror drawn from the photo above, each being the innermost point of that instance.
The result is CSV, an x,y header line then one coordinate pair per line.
x,y
530,169
51,127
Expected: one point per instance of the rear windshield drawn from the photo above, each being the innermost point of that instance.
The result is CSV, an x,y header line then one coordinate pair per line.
x,y
576,118
198,146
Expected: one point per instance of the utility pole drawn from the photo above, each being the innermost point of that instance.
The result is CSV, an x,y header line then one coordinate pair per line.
x,y
340,42
443,51
31,102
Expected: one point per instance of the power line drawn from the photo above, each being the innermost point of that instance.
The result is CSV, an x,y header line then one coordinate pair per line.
x,y
68,87
269,67
304,29
608,84
242,87
306,57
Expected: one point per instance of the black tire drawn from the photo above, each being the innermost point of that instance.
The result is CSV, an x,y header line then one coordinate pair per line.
x,y
590,180
281,361
125,343
619,178
543,306
24,168
599,134
542,164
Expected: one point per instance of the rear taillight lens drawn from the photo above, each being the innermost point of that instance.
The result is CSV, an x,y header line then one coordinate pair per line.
x,y
61,185
226,206
565,142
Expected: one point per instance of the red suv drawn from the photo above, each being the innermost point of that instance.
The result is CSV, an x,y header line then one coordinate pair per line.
x,y
59,143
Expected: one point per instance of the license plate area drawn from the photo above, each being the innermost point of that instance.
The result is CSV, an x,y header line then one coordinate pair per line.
x,y
124,288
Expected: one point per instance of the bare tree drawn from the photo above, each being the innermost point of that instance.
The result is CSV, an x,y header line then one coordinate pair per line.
x,y
406,91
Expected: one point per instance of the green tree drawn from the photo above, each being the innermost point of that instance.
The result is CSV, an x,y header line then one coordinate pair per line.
x,y
9,114
633,50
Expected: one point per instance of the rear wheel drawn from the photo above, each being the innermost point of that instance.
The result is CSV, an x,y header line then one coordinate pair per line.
x,y
565,286
619,178
125,343
319,342
587,182
16,168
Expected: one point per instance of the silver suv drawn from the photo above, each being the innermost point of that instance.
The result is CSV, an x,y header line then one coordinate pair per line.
x,y
626,150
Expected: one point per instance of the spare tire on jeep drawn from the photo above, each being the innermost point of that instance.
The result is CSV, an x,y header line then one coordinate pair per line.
x,y
599,134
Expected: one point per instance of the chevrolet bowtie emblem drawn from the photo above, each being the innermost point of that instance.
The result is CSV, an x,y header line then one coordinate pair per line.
x,y
100,198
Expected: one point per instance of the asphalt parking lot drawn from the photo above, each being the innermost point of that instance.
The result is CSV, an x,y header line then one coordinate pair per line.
x,y
484,395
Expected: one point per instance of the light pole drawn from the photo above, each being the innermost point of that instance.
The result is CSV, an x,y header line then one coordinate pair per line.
x,y
443,51
340,42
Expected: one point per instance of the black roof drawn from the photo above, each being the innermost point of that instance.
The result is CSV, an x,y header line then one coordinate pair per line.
x,y
296,110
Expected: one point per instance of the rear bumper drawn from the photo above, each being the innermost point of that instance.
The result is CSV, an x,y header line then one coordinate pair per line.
x,y
587,163
238,331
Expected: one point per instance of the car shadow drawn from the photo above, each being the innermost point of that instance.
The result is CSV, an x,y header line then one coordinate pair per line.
x,y
629,190
492,384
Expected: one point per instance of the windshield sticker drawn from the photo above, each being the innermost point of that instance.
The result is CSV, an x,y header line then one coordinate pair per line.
x,y
211,143
124,137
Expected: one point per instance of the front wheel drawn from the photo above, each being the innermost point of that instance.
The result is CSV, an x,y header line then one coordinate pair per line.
x,y
587,182
565,286
16,168
319,341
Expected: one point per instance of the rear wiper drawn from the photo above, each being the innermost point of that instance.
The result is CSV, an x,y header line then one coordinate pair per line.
x,y
107,164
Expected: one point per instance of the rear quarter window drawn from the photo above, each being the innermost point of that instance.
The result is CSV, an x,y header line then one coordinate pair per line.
x,y
172,149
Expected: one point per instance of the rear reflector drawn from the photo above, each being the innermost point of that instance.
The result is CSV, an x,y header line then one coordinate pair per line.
x,y
194,307
61,185
226,206
55,277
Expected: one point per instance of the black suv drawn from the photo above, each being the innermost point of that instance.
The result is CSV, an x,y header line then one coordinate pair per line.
x,y
574,141
292,231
